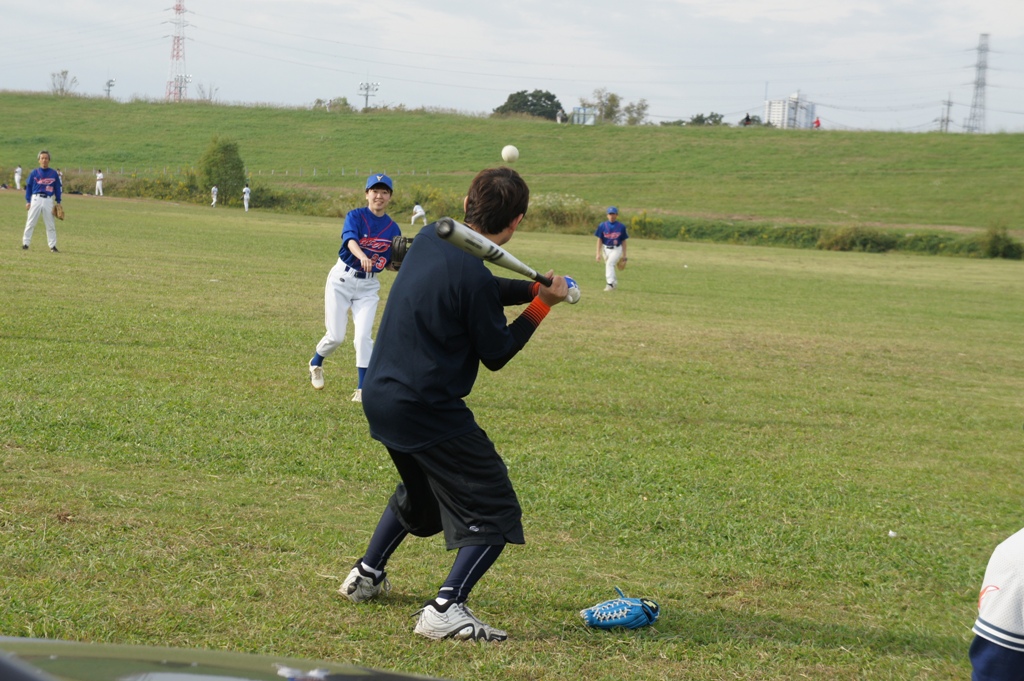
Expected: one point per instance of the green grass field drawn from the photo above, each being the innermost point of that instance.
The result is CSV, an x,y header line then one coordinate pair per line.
x,y
965,182
733,433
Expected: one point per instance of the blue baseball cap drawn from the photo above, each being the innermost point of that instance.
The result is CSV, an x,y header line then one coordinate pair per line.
x,y
374,180
613,209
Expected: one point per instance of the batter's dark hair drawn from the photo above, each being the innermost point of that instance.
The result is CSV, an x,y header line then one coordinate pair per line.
x,y
496,197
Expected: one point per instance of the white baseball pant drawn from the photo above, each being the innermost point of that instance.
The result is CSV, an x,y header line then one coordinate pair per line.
x,y
611,259
345,291
41,205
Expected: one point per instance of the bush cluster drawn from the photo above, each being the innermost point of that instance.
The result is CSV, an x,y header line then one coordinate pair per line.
x,y
994,243
863,239
646,227
560,211
165,187
571,214
997,243
78,183
436,202
299,201
221,166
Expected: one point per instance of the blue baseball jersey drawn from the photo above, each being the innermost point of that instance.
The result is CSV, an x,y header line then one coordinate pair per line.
x,y
611,233
43,181
372,233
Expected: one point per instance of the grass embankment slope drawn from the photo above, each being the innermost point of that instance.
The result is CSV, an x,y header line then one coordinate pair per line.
x,y
734,438
781,176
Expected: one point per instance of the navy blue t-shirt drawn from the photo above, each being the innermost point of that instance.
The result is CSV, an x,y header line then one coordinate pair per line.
x,y
444,315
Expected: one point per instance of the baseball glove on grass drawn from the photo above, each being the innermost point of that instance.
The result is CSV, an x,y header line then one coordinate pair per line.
x,y
631,613
621,264
58,211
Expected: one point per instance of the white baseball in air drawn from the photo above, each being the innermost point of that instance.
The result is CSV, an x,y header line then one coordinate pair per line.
x,y
510,154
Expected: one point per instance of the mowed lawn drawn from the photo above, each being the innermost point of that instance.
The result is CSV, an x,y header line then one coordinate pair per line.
x,y
734,433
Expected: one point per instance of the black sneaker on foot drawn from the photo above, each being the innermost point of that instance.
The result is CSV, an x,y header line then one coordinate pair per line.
x,y
53,249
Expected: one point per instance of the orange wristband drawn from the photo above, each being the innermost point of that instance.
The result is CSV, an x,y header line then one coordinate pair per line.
x,y
536,311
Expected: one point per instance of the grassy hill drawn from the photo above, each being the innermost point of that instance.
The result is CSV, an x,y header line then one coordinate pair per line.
x,y
781,176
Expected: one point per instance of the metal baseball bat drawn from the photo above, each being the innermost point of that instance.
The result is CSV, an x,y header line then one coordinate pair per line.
x,y
476,244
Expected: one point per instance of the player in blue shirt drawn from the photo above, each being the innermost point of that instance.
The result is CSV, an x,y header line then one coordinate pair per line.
x,y
611,246
446,316
352,283
42,190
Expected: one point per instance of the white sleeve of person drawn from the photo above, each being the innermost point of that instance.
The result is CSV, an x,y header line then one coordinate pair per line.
x,y
1001,601
631,613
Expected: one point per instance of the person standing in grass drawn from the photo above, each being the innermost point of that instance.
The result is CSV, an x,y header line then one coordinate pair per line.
x,y
99,182
42,191
611,246
246,193
446,316
352,283
213,193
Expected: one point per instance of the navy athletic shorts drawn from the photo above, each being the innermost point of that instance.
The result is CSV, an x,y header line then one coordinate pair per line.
x,y
460,486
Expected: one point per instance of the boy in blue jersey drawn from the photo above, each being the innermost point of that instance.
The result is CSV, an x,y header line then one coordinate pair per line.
x,y
352,283
611,246
42,191
445,316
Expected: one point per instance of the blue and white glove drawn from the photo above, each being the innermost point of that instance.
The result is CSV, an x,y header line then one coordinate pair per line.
x,y
631,613
573,296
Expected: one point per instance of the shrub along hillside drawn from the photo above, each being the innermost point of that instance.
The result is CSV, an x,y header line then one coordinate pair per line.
x,y
738,184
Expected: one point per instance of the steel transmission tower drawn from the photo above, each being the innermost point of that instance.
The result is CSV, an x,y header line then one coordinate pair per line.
x,y
976,121
177,79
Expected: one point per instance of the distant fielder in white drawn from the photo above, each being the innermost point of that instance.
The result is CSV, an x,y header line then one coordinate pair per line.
x,y
213,193
418,212
99,182
510,154
17,177
997,652
245,196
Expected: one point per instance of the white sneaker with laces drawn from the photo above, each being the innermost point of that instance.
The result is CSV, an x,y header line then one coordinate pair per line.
x,y
454,621
357,396
360,586
316,376
609,287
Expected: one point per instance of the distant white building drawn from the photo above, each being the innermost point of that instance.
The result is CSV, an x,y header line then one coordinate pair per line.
x,y
583,115
789,113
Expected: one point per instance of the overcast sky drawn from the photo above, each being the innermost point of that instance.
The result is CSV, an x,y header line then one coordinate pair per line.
x,y
867,64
